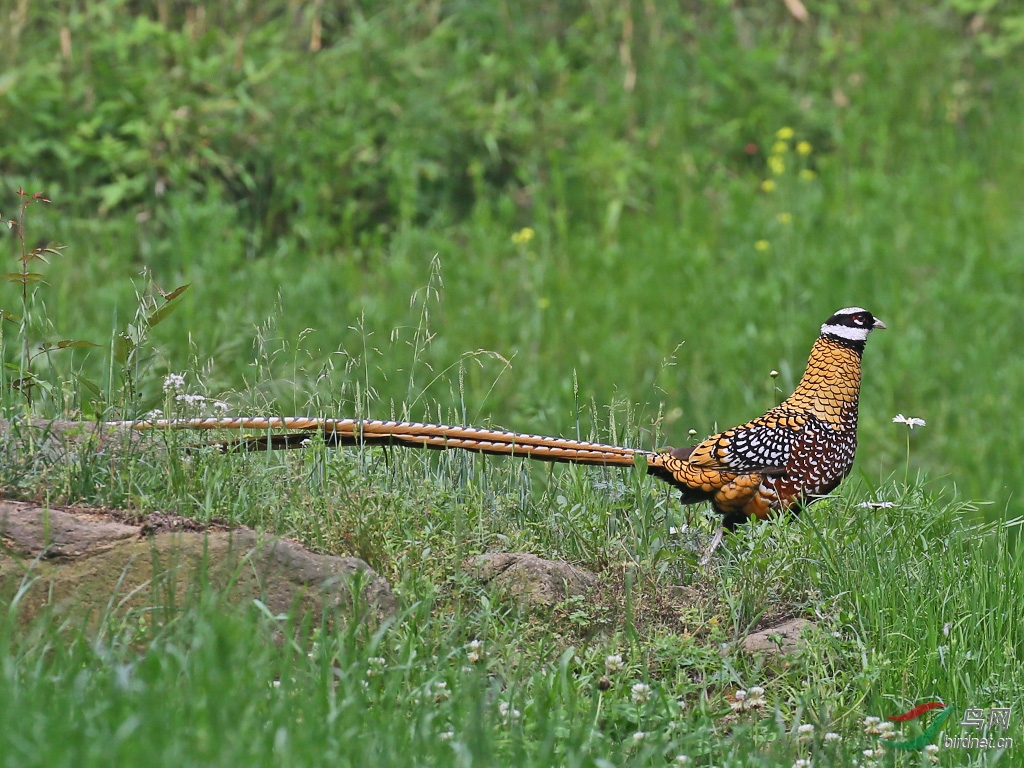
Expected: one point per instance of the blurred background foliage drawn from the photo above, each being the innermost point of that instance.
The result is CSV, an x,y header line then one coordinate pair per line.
x,y
599,181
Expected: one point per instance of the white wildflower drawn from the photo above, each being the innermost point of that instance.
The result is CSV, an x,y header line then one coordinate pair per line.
x,y
803,762
613,663
508,712
739,702
639,736
833,737
910,421
755,698
221,406
683,760
474,648
173,382
805,730
641,692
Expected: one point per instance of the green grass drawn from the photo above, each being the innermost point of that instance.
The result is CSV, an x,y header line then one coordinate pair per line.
x,y
345,220
932,613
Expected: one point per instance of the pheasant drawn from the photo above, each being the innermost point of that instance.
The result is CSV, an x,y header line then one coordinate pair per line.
x,y
792,455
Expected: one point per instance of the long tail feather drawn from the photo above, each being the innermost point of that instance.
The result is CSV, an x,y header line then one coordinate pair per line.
x,y
405,433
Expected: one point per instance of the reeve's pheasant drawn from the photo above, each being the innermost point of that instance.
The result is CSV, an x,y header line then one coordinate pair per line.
x,y
795,453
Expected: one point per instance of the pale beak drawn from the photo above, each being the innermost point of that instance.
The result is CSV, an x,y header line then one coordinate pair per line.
x,y
878,326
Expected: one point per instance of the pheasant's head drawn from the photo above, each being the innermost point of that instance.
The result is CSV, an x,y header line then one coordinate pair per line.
x,y
851,326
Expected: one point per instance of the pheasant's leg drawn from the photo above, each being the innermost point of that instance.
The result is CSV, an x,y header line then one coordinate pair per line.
x,y
735,500
706,557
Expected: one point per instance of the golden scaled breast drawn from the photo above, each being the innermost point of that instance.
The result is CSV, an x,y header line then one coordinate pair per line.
x,y
830,385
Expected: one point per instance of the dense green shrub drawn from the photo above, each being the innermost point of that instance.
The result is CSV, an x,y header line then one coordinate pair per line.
x,y
340,125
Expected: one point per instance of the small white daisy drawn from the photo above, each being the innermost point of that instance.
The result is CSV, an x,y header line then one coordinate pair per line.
x,y
910,421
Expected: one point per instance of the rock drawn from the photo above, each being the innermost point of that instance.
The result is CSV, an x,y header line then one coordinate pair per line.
x,y
785,638
32,531
531,580
90,564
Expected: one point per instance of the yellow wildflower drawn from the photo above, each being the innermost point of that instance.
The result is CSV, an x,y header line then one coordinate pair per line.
x,y
808,175
762,245
767,185
785,217
543,302
785,133
777,164
523,236
780,148
804,147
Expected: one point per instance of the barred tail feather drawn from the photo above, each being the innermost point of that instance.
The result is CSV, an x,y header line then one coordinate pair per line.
x,y
353,432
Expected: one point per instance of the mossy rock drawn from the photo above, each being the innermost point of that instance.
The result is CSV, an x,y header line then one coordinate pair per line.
x,y
79,562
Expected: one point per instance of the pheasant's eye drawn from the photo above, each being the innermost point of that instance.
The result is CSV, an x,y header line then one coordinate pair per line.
x,y
859,319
